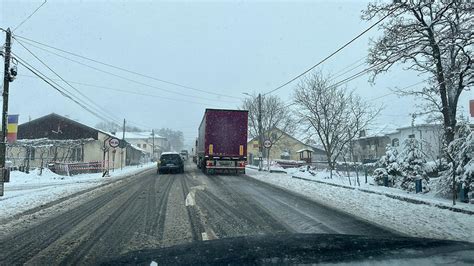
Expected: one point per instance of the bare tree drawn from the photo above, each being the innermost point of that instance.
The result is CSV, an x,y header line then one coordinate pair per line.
x,y
433,38
114,127
175,137
332,115
277,118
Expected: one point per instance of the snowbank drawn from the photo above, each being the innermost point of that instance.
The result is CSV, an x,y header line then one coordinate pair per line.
x,y
410,218
27,191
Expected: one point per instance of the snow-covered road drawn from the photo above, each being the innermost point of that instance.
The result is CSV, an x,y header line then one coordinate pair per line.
x,y
153,211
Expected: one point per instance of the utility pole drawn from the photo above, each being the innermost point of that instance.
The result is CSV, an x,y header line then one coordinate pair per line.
x,y
260,133
153,145
122,146
7,78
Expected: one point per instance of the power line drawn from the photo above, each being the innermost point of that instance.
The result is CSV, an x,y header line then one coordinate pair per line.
x,y
347,71
353,63
126,70
127,79
333,53
63,92
98,107
19,25
131,92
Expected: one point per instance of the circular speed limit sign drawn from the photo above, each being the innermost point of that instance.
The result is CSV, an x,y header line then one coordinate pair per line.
x,y
267,143
114,142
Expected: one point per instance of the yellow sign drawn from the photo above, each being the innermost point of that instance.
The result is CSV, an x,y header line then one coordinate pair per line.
x,y
241,150
211,149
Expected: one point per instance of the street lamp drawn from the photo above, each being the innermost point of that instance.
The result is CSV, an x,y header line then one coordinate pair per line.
x,y
260,135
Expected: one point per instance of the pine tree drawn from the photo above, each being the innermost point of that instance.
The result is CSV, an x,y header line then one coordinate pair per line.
x,y
411,167
387,165
461,151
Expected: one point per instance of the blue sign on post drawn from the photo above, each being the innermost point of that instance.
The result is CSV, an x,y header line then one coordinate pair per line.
x,y
385,180
418,187
462,193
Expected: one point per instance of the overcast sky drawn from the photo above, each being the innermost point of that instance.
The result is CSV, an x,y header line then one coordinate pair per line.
x,y
224,48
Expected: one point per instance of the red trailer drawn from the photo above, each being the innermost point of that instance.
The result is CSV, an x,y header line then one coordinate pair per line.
x,y
222,142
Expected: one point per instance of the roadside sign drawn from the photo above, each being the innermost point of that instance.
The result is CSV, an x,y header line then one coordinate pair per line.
x,y
114,142
267,143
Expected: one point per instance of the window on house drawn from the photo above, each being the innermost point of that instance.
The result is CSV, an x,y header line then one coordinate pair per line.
x,y
138,145
411,136
395,142
144,146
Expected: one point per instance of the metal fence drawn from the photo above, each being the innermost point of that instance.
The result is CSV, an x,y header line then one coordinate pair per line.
x,y
77,168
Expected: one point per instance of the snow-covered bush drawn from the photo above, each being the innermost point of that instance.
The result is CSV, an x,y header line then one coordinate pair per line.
x,y
412,166
379,173
387,165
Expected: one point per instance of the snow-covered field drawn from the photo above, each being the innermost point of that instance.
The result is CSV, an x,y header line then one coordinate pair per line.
x,y
27,191
410,218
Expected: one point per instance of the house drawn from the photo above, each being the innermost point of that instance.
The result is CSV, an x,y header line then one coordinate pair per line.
x,y
286,147
367,149
58,139
430,136
146,140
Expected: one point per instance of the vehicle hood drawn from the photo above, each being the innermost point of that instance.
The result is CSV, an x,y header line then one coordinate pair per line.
x,y
306,248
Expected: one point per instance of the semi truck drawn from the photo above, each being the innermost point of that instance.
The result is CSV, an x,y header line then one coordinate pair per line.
x,y
221,145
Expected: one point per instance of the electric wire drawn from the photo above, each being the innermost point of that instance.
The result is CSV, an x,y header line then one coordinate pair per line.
x,y
128,79
59,88
92,103
333,53
126,70
131,92
27,18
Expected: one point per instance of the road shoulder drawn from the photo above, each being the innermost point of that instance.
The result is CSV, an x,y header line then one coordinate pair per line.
x,y
26,217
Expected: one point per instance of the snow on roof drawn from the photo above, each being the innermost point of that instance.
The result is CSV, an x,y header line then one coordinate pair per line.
x,y
43,142
419,126
379,130
305,149
137,148
170,152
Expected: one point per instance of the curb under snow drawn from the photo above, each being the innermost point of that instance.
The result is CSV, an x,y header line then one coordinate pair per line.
x,y
397,197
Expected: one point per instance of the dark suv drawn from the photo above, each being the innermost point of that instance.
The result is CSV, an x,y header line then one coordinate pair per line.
x,y
170,162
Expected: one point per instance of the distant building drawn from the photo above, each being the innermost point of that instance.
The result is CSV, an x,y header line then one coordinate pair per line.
x,y
430,136
145,141
55,138
369,148
286,148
